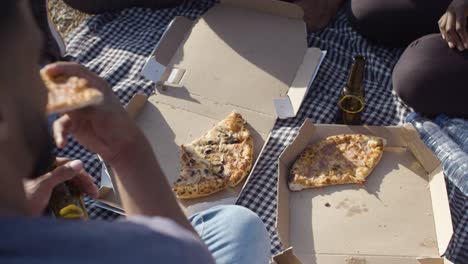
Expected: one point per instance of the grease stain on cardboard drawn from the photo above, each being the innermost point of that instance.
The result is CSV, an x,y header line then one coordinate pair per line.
x,y
355,260
353,208
429,243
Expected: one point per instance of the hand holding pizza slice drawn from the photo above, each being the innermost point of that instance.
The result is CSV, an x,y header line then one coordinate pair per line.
x,y
92,113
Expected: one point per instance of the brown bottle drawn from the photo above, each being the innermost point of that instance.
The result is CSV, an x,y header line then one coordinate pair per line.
x,y
351,102
66,202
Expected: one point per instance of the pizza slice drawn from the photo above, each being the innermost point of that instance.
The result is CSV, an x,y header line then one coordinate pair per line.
x,y
226,152
341,159
68,93
229,148
231,130
196,178
232,161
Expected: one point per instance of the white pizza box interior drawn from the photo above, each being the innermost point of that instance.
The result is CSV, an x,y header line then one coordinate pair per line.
x,y
241,55
400,215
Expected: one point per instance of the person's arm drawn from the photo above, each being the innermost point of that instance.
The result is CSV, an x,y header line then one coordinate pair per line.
x,y
143,188
99,6
108,130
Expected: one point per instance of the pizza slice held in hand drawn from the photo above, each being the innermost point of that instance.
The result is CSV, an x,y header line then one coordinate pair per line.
x,y
68,93
341,159
222,157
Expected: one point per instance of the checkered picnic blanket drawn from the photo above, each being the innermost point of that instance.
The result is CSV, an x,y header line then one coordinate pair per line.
x,y
115,45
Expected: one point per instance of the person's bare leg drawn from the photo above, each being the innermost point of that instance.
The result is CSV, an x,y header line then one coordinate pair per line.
x,y
100,6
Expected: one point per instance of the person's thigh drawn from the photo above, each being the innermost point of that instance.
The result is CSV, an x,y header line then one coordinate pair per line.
x,y
396,23
432,78
233,234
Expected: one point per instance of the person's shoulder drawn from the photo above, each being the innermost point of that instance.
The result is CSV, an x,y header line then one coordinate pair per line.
x,y
134,240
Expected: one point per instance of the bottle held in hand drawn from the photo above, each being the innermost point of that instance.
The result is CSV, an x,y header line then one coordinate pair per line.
x,y
66,203
454,160
351,102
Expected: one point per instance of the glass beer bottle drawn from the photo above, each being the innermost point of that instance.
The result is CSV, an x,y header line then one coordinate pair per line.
x,y
351,102
66,202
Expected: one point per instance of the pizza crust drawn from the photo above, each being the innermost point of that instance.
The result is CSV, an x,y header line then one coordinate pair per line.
x,y
68,93
341,159
191,191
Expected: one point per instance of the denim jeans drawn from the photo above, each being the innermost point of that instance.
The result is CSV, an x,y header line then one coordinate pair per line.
x,y
233,234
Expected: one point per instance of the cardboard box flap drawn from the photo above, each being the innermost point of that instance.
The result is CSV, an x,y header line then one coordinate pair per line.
x,y
135,105
431,260
176,31
423,154
222,63
273,7
282,209
441,209
286,257
440,204
289,106
260,53
288,156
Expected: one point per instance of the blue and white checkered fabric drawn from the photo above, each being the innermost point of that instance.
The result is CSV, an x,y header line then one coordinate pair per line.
x,y
115,45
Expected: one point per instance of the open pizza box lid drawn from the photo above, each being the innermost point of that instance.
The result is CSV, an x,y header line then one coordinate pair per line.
x,y
400,215
241,55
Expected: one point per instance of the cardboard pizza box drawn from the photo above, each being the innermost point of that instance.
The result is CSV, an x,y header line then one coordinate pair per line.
x,y
400,215
241,55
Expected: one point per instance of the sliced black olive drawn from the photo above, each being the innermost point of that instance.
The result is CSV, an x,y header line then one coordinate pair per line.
x,y
219,168
208,151
232,141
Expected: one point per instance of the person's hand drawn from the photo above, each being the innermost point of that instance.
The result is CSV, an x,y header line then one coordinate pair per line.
x,y
318,13
452,25
39,190
105,129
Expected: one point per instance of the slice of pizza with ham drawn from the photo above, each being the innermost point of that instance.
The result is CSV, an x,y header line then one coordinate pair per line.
x,y
68,93
340,159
